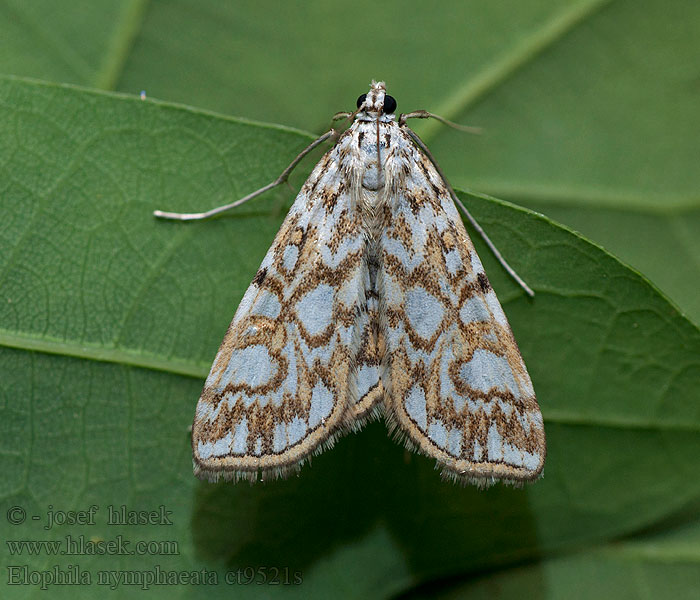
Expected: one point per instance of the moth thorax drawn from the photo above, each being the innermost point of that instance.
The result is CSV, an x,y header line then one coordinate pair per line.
x,y
373,176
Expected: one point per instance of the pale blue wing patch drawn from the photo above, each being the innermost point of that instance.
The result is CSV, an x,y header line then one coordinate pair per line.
x,y
289,257
367,377
251,366
424,312
416,407
486,371
321,405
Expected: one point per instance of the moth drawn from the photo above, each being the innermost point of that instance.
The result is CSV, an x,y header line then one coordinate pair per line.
x,y
371,301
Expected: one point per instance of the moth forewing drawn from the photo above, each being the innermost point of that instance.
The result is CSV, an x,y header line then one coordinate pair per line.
x,y
459,390
278,390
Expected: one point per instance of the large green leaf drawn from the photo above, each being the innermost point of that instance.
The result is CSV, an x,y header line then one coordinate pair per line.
x,y
109,320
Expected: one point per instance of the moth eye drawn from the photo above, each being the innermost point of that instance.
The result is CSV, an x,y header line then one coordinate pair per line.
x,y
361,99
389,105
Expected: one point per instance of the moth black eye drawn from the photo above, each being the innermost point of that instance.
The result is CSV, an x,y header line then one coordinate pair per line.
x,y
361,99
389,105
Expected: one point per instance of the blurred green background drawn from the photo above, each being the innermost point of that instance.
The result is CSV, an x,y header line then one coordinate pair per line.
x,y
109,320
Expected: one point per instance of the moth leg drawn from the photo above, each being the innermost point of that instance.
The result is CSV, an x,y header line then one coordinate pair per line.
x,y
279,181
343,115
424,114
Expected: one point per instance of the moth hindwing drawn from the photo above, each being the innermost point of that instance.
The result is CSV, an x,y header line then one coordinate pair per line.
x,y
371,300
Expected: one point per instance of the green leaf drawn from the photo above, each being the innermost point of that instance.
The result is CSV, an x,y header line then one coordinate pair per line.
x,y
109,321
660,565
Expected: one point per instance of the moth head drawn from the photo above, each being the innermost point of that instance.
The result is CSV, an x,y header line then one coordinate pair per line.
x,y
377,101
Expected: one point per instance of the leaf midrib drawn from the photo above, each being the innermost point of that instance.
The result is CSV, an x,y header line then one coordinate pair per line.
x,y
649,203
114,355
